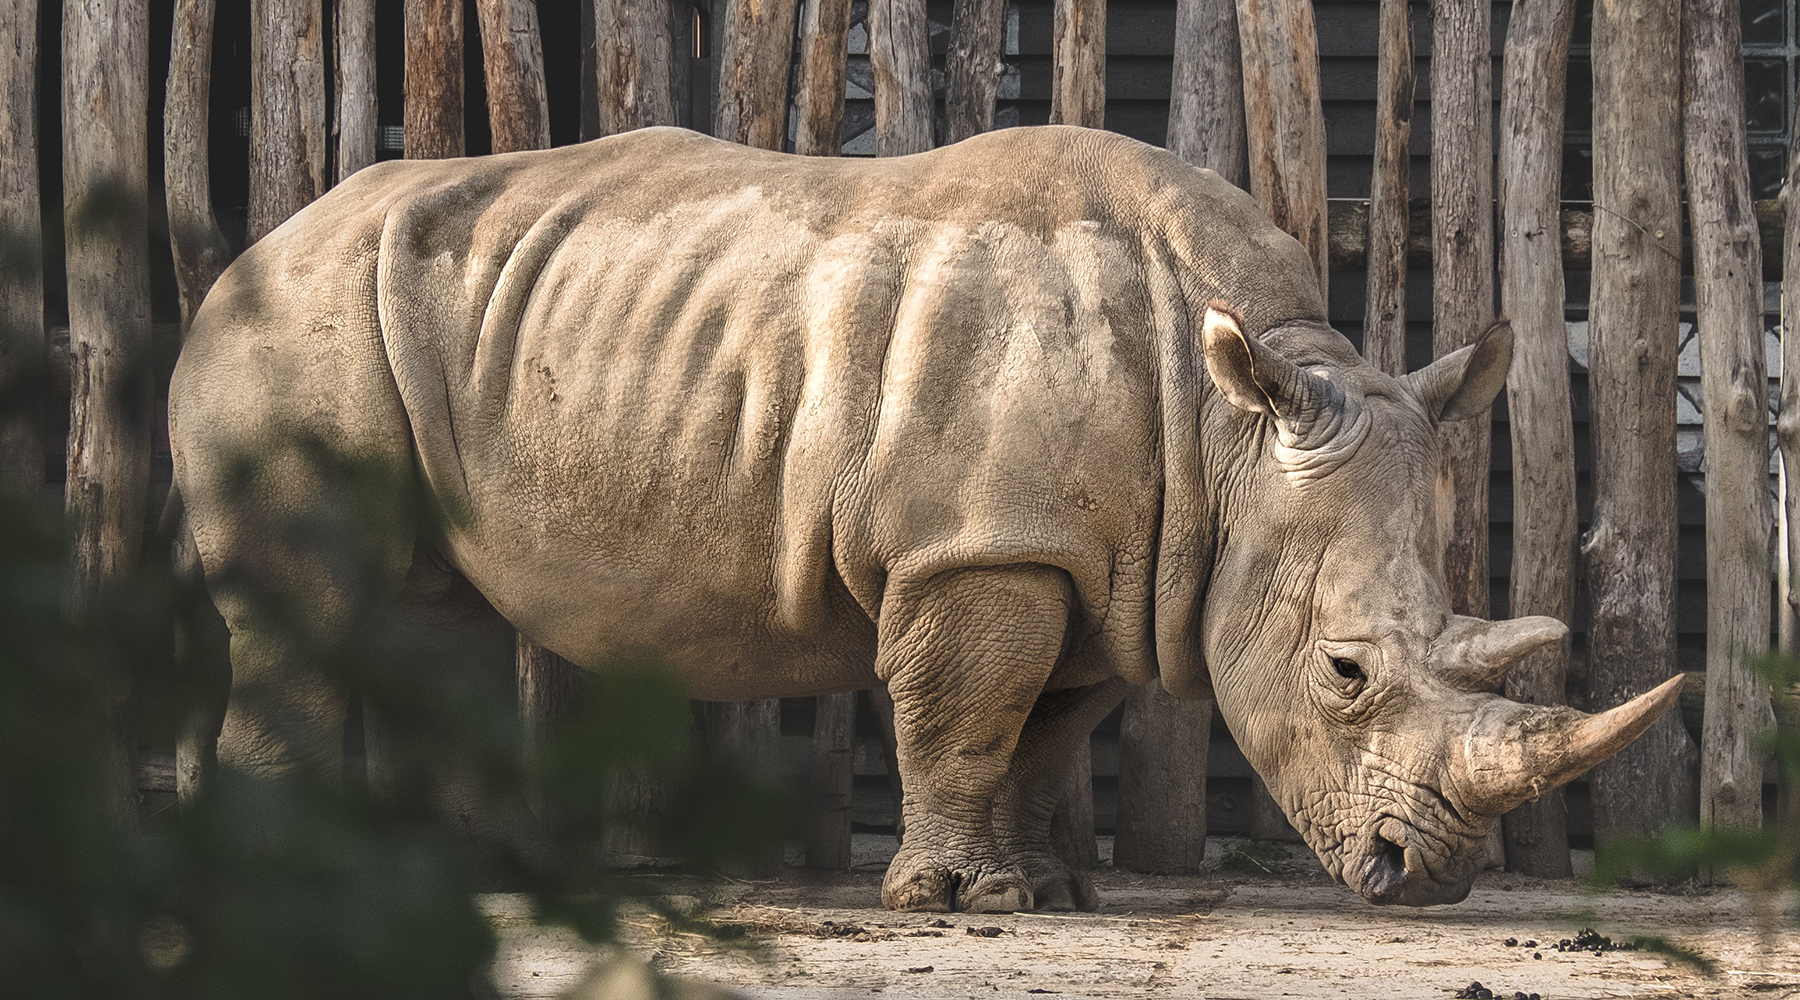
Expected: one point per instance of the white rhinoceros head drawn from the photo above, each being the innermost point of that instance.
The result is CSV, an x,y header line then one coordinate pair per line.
x,y
1351,687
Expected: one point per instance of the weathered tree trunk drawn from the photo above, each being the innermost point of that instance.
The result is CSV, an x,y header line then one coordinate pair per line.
x,y
1543,427
287,114
1390,189
1206,94
1078,86
753,72
833,780
1462,265
900,58
199,249
105,98
550,689
1734,389
633,55
434,79
1786,702
356,101
1162,782
1284,120
512,58
1072,825
1633,317
749,732
22,403
819,99
973,67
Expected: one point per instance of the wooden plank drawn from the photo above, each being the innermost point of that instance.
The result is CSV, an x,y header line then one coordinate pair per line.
x,y
287,116
1078,90
1633,312
512,59
1284,121
1206,92
973,66
434,79
355,119
198,247
753,72
1462,266
819,98
633,57
1734,385
900,57
1384,313
22,348
1536,834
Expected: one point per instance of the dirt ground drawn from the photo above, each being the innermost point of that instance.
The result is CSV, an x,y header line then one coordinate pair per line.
x,y
1257,926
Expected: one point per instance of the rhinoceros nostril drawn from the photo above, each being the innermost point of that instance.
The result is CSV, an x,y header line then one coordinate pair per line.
x,y
1385,870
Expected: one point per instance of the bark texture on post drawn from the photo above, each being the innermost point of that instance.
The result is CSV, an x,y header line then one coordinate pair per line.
x,y
512,59
1284,120
973,67
1633,322
434,79
633,56
819,99
1206,93
355,120
1078,86
833,780
1542,423
900,58
1390,189
1734,389
753,72
1786,703
550,688
749,732
1462,265
22,339
199,249
1072,825
287,114
1162,782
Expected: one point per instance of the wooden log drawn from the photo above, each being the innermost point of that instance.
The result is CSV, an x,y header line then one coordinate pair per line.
x,y
1786,702
434,79
198,247
883,706
1284,121
1390,188
973,65
1162,782
819,98
550,689
1072,825
1462,266
1206,92
1734,390
1078,75
22,346
753,72
749,733
633,59
355,118
1542,423
833,780
1634,310
287,114
590,62
512,60
900,59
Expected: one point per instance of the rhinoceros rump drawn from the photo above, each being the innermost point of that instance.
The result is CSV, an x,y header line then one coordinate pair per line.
x,y
963,422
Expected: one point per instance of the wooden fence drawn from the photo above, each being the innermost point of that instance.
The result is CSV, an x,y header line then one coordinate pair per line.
x,y
1244,98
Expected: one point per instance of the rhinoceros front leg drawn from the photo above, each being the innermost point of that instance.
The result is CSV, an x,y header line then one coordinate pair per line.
x,y
1057,730
965,655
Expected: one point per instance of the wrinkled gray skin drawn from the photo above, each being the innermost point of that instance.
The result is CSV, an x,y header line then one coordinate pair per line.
x,y
960,422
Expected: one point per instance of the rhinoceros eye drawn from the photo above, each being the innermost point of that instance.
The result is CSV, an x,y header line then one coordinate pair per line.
x,y
1347,668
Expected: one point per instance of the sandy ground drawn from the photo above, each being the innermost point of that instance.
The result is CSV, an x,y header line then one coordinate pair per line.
x,y
1251,929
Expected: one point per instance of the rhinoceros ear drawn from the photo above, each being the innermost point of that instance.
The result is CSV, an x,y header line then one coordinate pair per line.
x,y
1463,383
1257,378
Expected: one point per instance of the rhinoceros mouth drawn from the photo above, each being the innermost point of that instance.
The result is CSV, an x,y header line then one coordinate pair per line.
x,y
1393,873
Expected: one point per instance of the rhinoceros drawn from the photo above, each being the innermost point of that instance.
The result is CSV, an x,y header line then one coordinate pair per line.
x,y
1008,426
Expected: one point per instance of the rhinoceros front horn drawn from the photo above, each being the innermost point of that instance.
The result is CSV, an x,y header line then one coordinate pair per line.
x,y
1253,376
1517,752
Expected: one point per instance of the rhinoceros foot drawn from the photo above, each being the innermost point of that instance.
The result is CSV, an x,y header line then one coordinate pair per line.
x,y
1056,887
938,882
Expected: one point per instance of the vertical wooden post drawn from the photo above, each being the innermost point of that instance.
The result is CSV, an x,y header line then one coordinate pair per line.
x,y
355,118
1284,121
105,98
1633,323
1206,92
1786,703
632,56
900,58
1734,392
753,72
973,67
287,115
199,249
1543,427
549,689
1078,87
21,258
1390,189
512,59
819,98
833,781
434,79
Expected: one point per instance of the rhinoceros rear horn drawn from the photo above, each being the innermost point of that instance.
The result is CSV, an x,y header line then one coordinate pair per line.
x,y
1257,378
1463,383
